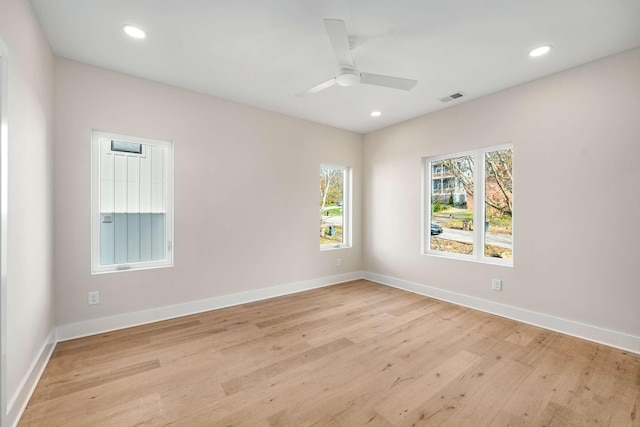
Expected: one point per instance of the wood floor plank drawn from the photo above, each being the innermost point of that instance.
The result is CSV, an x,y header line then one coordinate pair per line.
x,y
267,372
421,387
352,354
66,387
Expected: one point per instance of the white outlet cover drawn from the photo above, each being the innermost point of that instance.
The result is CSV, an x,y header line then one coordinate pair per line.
x,y
93,298
496,285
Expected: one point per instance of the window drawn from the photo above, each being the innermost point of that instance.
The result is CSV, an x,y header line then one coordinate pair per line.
x,y
126,147
469,205
335,183
132,203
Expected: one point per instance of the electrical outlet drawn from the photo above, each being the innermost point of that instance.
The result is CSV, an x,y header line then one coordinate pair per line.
x,y
496,285
338,262
93,298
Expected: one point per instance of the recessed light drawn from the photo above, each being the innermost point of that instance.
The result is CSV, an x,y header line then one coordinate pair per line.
x,y
539,51
134,32
375,114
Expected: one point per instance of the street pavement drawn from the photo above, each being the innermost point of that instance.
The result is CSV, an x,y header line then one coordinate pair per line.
x,y
464,236
332,220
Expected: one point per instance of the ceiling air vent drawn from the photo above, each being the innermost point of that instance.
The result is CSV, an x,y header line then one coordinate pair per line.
x,y
452,97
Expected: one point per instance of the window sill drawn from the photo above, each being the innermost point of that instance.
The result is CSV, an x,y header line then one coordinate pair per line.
x,y
133,268
333,247
461,257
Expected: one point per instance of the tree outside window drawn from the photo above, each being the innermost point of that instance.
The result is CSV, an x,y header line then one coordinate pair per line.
x,y
459,225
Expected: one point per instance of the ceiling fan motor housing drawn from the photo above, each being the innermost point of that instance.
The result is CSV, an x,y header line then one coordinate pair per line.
x,y
347,76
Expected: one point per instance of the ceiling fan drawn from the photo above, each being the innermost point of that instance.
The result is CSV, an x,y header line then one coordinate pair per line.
x,y
348,74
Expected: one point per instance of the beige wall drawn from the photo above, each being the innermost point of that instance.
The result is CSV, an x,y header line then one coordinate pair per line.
x,y
246,193
576,136
30,218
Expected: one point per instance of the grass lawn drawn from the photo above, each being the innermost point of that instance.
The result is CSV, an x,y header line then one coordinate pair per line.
x,y
453,217
501,224
458,221
332,211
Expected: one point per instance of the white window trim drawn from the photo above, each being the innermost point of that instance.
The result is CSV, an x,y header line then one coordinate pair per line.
x,y
4,204
96,268
346,209
478,207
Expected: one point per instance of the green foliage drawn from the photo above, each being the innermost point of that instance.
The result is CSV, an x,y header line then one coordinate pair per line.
x,y
436,206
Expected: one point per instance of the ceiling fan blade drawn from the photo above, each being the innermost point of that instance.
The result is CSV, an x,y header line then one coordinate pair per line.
x,y
318,88
387,81
337,32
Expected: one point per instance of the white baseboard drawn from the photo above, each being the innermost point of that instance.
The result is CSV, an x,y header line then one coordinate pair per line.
x,y
19,400
126,320
91,327
569,327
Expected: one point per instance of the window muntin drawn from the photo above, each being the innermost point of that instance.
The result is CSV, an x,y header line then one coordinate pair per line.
x,y
335,182
132,203
463,191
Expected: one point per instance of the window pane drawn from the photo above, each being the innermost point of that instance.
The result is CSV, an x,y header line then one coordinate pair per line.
x,y
332,181
132,204
498,204
452,205
126,147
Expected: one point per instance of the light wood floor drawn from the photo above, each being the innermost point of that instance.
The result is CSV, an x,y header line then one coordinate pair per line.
x,y
355,354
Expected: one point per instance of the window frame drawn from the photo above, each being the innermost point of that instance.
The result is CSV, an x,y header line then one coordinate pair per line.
x,y
479,190
346,208
96,137
4,205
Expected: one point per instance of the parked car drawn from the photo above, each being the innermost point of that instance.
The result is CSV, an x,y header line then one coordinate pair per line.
x,y
435,229
340,203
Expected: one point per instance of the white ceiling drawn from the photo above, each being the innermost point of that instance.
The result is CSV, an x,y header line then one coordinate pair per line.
x,y
263,52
